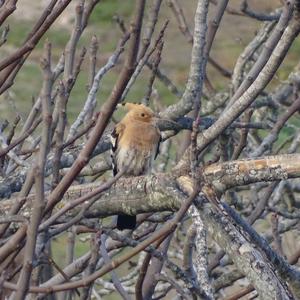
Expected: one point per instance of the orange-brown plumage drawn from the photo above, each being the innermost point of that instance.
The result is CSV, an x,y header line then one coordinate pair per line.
x,y
135,142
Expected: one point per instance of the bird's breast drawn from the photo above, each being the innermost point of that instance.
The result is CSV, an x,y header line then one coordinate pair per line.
x,y
134,161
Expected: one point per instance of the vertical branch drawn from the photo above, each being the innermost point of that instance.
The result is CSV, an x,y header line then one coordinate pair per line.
x,y
71,46
88,8
4,35
155,64
70,251
196,240
91,98
94,46
39,171
247,56
149,27
116,281
143,61
95,254
154,268
201,251
178,12
70,71
213,25
92,73
243,136
136,27
197,100
59,134
69,77
276,234
60,116
189,244
193,90
141,277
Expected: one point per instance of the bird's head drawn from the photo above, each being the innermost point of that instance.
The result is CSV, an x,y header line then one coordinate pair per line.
x,y
139,112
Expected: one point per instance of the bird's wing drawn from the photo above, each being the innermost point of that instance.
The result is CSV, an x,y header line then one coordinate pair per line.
x,y
114,139
158,144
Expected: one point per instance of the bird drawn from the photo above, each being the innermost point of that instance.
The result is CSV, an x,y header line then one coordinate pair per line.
x,y
135,145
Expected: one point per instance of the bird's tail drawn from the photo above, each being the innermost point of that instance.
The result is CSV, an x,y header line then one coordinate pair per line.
x,y
126,222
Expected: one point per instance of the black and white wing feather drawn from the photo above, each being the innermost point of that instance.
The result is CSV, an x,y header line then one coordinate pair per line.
x,y
114,139
158,144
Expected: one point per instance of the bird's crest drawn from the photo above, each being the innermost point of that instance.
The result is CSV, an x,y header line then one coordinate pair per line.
x,y
130,106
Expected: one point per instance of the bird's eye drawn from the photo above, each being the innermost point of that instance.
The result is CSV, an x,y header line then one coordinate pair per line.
x,y
142,115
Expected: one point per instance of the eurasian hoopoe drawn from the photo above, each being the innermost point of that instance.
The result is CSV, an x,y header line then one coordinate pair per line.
x,y
135,144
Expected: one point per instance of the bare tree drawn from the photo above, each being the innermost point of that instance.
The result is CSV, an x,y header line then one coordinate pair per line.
x,y
216,218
